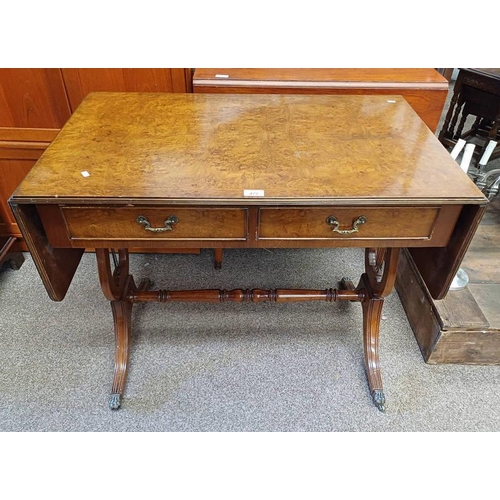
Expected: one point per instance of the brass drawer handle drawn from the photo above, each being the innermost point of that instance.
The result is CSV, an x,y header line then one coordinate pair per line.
x,y
143,221
335,223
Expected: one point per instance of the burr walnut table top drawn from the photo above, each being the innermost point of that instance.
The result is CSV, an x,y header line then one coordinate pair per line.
x,y
209,149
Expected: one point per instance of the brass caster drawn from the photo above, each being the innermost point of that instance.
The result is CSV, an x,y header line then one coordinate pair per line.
x,y
379,399
115,401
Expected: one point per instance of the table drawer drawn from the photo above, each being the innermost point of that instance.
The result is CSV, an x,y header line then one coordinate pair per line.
x,y
158,223
349,223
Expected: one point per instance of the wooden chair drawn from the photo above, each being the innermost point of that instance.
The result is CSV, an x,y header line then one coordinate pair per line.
x,y
476,94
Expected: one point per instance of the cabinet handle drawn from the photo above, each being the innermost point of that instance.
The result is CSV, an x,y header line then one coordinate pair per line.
x,y
143,221
335,223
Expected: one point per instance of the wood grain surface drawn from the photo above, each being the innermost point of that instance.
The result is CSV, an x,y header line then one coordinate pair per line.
x,y
288,223
193,223
12,173
32,98
81,81
208,148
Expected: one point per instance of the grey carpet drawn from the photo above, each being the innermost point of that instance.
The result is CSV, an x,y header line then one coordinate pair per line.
x,y
224,367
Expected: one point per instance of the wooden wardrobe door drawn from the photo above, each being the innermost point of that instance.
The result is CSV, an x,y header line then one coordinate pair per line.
x,y
12,172
80,81
32,98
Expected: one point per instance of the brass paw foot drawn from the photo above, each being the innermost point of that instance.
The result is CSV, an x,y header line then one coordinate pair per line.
x,y
379,399
115,401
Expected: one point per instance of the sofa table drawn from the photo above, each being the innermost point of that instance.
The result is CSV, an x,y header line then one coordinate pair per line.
x,y
145,170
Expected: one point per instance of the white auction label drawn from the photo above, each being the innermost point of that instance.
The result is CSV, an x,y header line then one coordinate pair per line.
x,y
253,192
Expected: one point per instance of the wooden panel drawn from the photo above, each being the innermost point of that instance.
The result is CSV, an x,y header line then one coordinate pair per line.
x,y
459,310
182,79
487,296
166,250
12,172
5,229
46,135
417,306
428,104
295,148
32,98
55,266
121,223
438,266
80,82
22,152
311,223
469,348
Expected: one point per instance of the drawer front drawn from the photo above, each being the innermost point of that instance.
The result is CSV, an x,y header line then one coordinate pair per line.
x,y
188,223
347,223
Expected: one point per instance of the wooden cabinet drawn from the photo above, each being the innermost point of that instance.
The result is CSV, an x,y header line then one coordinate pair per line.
x,y
36,102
